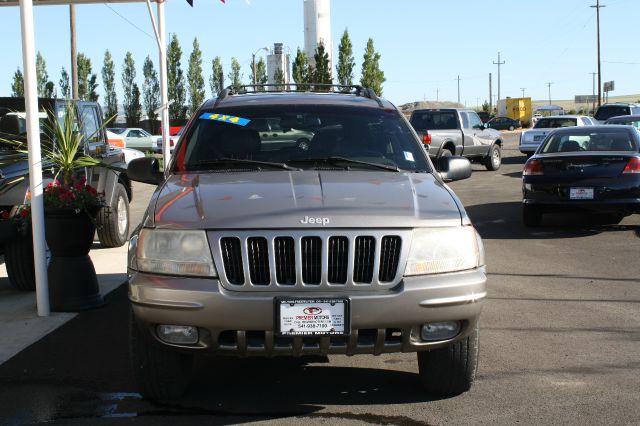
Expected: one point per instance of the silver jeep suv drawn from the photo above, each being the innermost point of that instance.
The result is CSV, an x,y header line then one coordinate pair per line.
x,y
350,244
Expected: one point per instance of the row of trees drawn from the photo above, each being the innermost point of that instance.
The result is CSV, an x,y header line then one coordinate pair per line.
x,y
188,92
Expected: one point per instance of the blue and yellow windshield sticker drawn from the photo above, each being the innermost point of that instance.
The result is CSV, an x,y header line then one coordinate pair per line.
x,y
225,118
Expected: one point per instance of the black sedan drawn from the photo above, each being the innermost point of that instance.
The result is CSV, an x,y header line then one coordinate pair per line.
x,y
591,168
629,120
503,123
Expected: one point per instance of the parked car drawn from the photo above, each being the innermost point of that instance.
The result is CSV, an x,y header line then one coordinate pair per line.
x,y
354,245
629,120
503,123
530,139
593,169
137,138
457,131
173,141
279,135
606,111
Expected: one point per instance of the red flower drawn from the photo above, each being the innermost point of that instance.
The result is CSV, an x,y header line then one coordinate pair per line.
x,y
24,213
5,215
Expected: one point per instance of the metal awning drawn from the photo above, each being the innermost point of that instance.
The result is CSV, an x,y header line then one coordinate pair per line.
x,y
33,132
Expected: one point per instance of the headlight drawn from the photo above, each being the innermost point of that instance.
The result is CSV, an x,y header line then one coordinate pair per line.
x,y
171,252
438,250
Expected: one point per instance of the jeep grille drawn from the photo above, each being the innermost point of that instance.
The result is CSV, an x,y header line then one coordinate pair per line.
x,y
310,260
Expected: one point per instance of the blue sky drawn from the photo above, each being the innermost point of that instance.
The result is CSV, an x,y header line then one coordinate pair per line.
x,y
425,44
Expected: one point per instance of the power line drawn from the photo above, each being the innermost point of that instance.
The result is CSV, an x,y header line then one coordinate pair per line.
x,y
130,23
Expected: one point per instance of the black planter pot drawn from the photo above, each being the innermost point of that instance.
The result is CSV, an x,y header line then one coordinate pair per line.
x,y
73,284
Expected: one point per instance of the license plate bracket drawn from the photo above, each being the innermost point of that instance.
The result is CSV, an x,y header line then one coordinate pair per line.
x,y
581,193
312,316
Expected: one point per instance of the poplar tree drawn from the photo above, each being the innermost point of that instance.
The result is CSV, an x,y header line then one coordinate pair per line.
x,y
87,82
194,78
278,79
17,86
372,76
150,91
131,103
235,76
175,81
217,76
65,85
301,70
109,83
346,62
42,78
322,71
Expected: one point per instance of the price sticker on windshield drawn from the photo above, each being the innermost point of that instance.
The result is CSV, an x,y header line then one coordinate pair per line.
x,y
232,119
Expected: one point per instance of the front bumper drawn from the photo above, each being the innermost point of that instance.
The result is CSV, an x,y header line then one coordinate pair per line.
x,y
243,323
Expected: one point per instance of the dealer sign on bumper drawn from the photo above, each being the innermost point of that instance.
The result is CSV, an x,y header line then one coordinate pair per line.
x,y
300,317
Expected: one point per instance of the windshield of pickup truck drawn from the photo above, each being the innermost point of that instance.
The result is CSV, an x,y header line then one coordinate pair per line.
x,y
554,123
434,120
13,126
307,137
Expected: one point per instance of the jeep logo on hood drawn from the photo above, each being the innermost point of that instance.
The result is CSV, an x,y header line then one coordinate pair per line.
x,y
324,221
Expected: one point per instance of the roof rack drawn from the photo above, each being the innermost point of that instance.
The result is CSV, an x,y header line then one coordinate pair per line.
x,y
302,88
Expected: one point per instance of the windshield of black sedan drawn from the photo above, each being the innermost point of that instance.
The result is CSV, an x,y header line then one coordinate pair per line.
x,y
589,140
296,134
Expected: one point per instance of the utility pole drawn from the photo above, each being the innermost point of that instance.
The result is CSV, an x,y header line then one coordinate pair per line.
x,y
437,94
593,92
490,95
598,6
498,64
522,88
549,86
458,88
74,53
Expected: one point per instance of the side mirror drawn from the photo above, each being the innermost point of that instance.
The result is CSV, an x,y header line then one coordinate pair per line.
x,y
145,170
454,168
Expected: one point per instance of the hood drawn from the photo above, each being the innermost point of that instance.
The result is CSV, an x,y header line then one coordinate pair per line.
x,y
304,199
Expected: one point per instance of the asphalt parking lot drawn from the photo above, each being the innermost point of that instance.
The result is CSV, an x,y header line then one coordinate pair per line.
x,y
560,338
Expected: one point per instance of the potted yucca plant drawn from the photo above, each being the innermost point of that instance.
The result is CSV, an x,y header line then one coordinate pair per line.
x,y
70,208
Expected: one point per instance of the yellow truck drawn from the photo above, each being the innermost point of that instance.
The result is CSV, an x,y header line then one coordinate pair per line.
x,y
516,108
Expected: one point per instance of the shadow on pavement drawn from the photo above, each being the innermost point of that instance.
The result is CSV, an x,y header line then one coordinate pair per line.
x,y
504,221
81,370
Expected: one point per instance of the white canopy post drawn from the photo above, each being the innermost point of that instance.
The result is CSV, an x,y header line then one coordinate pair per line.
x,y
164,96
35,157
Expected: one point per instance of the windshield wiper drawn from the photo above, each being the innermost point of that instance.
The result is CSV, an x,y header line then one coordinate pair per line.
x,y
231,161
336,160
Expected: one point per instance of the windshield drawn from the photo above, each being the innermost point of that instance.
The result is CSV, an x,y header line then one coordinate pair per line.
x,y
310,137
588,140
608,111
13,126
434,120
554,123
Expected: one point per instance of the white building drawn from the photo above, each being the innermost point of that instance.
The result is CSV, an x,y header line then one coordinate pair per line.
x,y
276,60
317,28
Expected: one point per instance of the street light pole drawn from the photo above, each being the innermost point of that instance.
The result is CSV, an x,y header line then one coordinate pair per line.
x,y
253,65
597,7
498,64
593,93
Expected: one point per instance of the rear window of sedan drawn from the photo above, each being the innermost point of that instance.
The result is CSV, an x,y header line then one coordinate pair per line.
x,y
555,123
585,140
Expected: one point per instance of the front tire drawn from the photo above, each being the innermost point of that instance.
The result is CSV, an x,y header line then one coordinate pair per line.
x,y
531,216
493,161
450,370
18,258
161,374
113,220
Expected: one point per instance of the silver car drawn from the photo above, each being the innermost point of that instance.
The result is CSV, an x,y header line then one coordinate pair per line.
x,y
350,245
530,140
